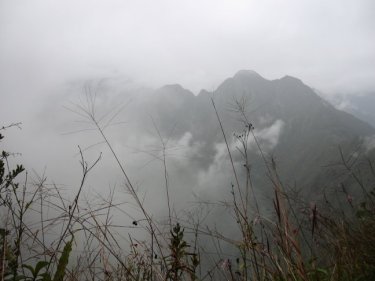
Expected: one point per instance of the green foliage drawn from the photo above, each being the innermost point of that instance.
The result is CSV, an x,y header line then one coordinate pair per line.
x,y
36,274
40,273
10,250
63,261
180,261
8,186
7,178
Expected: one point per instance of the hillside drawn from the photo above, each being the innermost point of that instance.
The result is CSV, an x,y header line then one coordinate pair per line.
x,y
295,126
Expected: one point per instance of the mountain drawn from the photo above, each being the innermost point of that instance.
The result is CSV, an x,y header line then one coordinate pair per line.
x,y
305,136
300,130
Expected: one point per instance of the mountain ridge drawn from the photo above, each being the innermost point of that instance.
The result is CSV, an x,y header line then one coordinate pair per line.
x,y
308,129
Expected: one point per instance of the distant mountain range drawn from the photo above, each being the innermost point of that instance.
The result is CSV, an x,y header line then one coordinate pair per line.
x,y
307,137
360,105
301,131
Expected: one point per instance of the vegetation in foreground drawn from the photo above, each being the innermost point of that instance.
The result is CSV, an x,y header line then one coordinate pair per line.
x,y
300,242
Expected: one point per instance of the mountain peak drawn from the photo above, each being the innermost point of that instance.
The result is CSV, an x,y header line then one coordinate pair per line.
x,y
247,73
175,90
291,79
173,87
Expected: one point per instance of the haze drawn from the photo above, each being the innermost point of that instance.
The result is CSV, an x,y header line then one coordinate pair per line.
x,y
48,46
328,44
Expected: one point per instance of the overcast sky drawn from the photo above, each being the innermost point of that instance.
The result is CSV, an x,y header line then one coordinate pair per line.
x,y
328,44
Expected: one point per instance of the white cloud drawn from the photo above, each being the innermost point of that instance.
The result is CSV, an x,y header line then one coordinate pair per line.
x,y
369,143
269,137
219,174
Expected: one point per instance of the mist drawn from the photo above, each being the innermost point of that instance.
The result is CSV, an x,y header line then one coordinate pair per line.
x,y
150,71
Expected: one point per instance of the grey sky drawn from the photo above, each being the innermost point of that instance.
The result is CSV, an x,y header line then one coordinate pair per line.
x,y
328,44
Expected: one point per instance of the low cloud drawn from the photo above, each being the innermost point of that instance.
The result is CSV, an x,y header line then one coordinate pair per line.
x,y
269,137
369,143
219,175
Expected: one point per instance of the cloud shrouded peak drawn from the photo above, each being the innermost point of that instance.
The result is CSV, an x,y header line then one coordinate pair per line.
x,y
247,73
